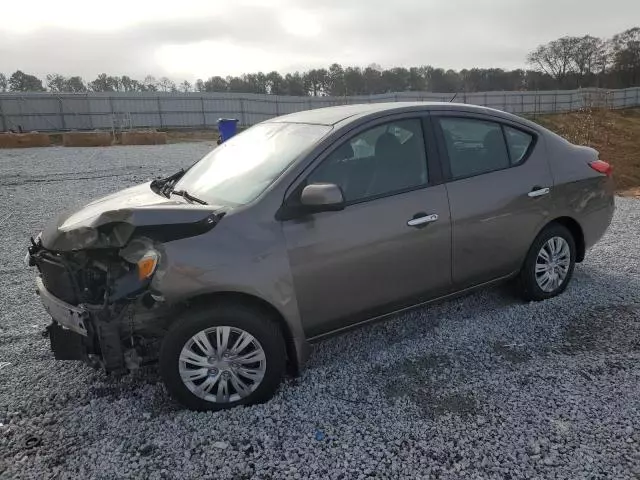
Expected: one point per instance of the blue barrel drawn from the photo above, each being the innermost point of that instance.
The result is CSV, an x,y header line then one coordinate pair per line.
x,y
227,127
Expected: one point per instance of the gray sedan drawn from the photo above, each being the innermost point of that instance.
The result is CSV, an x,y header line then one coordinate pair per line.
x,y
310,224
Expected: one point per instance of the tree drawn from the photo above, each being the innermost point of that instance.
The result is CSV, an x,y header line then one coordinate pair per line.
x,y
336,86
165,84
372,77
75,84
215,84
316,81
200,85
23,82
589,55
56,82
556,58
417,81
237,85
127,83
186,87
3,83
101,84
354,81
294,84
626,56
275,83
150,83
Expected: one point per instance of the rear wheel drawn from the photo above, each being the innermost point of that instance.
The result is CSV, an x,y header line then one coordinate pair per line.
x,y
549,265
223,356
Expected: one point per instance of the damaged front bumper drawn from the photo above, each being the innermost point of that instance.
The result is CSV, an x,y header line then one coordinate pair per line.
x,y
102,309
68,316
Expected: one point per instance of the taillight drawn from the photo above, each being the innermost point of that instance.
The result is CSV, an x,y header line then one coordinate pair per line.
x,y
601,167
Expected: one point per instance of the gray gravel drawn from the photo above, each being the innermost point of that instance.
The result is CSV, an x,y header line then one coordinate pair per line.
x,y
482,387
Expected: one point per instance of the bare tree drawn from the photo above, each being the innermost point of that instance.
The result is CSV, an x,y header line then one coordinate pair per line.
x,y
165,84
4,83
150,83
589,55
555,58
186,87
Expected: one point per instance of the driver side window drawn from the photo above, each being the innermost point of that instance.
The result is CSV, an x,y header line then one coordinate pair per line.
x,y
383,160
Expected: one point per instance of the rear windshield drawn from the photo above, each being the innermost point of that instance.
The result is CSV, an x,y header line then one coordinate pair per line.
x,y
239,170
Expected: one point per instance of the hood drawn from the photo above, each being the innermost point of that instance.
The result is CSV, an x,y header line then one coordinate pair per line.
x,y
111,221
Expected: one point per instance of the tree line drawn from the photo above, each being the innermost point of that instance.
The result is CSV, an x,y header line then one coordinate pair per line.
x,y
565,63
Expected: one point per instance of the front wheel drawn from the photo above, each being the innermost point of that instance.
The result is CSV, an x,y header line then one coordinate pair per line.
x,y
549,264
221,357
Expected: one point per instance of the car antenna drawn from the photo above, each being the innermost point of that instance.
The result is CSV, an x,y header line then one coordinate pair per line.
x,y
454,97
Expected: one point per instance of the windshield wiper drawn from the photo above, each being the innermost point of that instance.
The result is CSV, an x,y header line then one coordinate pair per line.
x,y
164,185
188,196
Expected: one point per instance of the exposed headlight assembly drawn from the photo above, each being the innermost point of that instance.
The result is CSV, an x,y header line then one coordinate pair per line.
x,y
141,252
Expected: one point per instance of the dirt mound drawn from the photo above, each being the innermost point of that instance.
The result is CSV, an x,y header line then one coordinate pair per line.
x,y
614,133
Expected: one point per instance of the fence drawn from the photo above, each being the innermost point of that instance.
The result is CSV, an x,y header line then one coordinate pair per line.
x,y
89,111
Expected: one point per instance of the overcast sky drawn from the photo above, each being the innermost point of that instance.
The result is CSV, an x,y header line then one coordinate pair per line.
x,y
191,39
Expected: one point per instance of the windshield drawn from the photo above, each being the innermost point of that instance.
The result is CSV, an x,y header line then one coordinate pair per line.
x,y
241,168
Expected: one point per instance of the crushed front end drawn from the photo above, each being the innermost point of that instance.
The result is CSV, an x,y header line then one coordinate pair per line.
x,y
103,310
96,270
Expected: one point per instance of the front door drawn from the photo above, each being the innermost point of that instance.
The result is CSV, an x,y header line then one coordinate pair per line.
x,y
389,248
500,190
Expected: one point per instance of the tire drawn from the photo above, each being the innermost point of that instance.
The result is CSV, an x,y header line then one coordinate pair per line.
x,y
529,282
213,322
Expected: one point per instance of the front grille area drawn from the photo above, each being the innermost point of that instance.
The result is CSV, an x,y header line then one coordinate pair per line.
x,y
57,280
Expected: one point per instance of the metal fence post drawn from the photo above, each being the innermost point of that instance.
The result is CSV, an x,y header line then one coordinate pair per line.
x,y
62,121
2,117
242,117
204,115
625,97
112,110
160,111
277,107
521,102
89,112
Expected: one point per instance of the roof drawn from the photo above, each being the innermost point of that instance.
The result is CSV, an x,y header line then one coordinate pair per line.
x,y
334,115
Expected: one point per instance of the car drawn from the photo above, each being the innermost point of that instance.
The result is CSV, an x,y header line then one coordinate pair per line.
x,y
310,224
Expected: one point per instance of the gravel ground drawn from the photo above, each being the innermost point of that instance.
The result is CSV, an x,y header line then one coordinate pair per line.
x,y
482,387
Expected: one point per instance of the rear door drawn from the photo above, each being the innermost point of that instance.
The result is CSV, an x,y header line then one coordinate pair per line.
x,y
499,185
390,247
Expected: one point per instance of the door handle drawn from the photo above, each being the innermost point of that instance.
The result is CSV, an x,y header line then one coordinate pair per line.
x,y
416,222
539,191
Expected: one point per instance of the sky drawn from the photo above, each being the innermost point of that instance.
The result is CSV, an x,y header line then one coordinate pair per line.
x,y
190,39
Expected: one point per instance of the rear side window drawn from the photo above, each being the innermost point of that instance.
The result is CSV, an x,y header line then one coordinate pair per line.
x,y
474,146
518,142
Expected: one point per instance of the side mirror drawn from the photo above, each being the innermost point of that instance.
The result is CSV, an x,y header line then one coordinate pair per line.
x,y
322,197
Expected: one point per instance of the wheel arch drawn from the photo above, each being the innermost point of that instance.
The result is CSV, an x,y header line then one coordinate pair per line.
x,y
294,356
577,232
